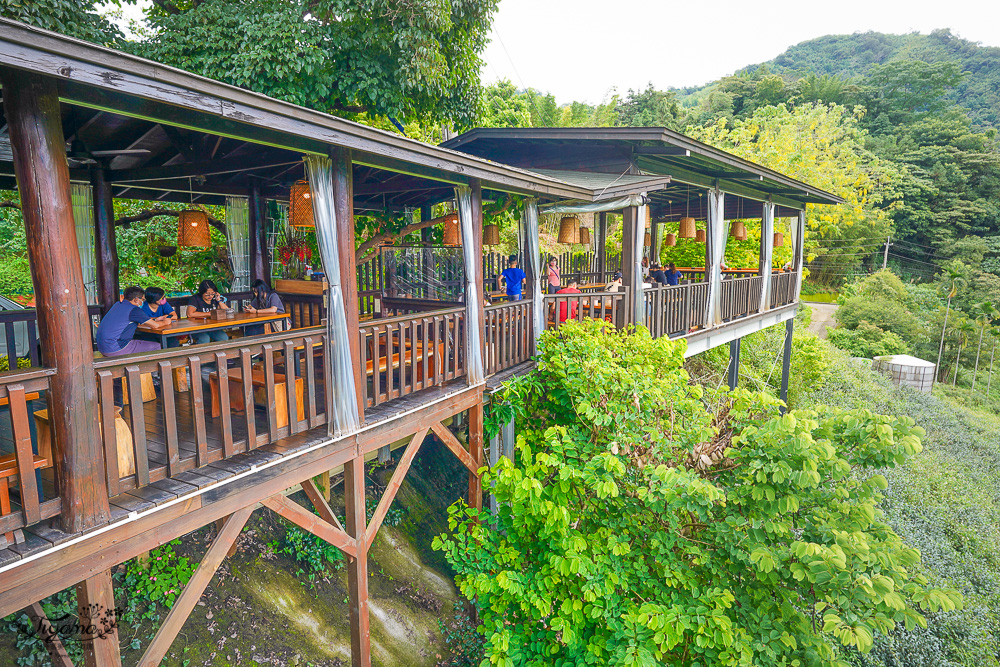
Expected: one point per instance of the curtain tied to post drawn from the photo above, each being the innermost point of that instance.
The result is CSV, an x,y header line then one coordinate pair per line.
x,y
473,327
767,241
639,302
345,418
798,246
718,230
534,255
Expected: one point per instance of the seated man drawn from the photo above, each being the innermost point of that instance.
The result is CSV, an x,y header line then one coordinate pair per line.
x,y
615,284
115,333
512,280
201,305
159,310
571,288
656,275
673,276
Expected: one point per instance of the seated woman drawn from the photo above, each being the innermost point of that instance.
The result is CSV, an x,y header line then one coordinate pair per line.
x,y
159,310
201,305
673,276
264,302
116,332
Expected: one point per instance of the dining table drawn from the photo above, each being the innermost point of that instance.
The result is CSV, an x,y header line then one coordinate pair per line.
x,y
185,326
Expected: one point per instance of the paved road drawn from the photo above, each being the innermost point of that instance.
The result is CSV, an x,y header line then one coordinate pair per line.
x,y
822,317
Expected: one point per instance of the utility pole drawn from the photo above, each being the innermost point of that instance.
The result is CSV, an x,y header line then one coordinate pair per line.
x,y
885,255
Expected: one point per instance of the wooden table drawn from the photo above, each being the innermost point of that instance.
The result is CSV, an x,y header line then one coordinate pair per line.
x,y
186,327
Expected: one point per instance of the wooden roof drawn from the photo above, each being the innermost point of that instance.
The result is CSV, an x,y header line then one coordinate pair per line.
x,y
193,138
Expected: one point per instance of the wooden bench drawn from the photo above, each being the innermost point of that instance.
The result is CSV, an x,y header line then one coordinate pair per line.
x,y
8,470
33,396
258,381
435,355
123,440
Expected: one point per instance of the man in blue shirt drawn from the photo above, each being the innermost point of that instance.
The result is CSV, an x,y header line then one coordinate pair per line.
x,y
115,333
513,279
158,309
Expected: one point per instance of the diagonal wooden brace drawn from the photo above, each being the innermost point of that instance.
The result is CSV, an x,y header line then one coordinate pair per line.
x,y
390,490
320,503
306,520
449,439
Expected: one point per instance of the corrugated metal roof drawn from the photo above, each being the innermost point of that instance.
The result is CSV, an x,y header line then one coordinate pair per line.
x,y
607,184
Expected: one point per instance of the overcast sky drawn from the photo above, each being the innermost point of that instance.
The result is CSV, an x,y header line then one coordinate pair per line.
x,y
580,49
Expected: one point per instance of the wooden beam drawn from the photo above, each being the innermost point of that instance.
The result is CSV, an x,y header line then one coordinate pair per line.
x,y
476,453
32,110
357,567
320,500
394,483
661,150
105,247
186,601
452,443
306,520
95,599
631,278
50,638
264,160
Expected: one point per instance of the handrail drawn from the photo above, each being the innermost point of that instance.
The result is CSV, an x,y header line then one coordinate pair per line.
x,y
507,304
410,316
25,375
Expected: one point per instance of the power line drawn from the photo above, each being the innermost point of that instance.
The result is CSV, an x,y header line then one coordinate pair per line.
x,y
497,31
910,259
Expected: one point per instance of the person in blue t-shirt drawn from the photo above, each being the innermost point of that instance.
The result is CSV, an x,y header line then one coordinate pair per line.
x,y
158,309
672,275
512,278
115,333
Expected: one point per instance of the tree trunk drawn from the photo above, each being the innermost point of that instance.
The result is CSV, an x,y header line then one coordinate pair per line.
x,y
990,380
975,370
941,346
958,358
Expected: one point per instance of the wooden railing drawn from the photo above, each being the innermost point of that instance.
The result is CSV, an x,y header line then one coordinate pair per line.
x,y
595,305
25,447
783,289
20,337
675,310
509,335
401,355
204,409
305,310
740,297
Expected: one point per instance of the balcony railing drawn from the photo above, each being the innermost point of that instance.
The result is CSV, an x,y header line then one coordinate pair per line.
x,y
509,335
676,310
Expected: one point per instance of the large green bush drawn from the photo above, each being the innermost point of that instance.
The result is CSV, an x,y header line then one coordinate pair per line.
x,y
640,528
867,340
15,276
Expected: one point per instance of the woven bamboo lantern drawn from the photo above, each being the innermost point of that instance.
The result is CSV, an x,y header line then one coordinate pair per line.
x,y
687,230
779,240
585,235
649,217
491,235
700,236
647,240
569,230
451,232
192,230
738,230
670,240
300,208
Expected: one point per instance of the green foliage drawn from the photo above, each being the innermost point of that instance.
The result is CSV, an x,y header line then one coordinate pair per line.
x,y
5,363
316,558
15,276
867,340
77,18
462,639
649,108
154,582
504,106
59,607
641,528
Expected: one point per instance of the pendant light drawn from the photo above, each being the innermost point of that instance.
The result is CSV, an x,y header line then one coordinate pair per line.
x,y
738,230
451,232
300,209
779,240
569,230
192,227
585,235
491,235
700,236
687,230
670,240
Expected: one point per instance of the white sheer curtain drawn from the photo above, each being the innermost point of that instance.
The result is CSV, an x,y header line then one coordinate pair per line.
x,y
473,327
639,303
534,255
345,418
767,250
238,241
798,246
717,232
83,217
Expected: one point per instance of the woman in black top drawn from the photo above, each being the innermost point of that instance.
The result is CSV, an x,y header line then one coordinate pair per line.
x,y
264,301
201,305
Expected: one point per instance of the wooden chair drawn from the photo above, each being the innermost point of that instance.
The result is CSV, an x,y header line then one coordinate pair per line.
x,y
258,381
8,471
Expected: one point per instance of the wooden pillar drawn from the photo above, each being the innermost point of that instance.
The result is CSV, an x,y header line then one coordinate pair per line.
x,y
476,451
260,262
96,605
477,257
357,567
602,247
786,360
427,233
632,231
655,232
734,363
31,106
343,203
105,248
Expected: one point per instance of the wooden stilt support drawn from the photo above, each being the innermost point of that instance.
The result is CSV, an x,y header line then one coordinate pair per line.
x,y
357,567
452,443
394,483
96,603
189,597
306,520
786,361
476,453
53,644
734,363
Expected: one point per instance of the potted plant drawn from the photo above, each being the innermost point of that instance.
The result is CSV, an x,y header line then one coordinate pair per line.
x,y
296,256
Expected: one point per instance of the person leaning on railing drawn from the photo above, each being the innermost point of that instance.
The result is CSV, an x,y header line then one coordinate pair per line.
x,y
264,302
116,332
512,279
200,307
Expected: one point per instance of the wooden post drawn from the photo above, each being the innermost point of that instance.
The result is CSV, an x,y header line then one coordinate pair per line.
x,y
786,360
655,232
31,106
477,257
476,452
106,251
260,263
357,566
427,233
96,604
631,277
602,247
734,363
343,204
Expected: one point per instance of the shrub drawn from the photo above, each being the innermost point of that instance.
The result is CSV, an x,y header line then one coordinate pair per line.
x,y
155,580
867,341
15,276
642,528
315,556
882,313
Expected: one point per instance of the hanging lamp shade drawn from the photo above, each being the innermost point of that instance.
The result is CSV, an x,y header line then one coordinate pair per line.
x,y
700,236
300,208
647,240
738,230
192,230
670,240
569,230
491,235
686,230
452,236
649,217
779,240
585,235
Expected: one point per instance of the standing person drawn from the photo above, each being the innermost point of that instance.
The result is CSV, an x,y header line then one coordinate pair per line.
x,y
116,332
201,305
645,268
264,302
158,309
553,277
674,277
571,288
512,279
